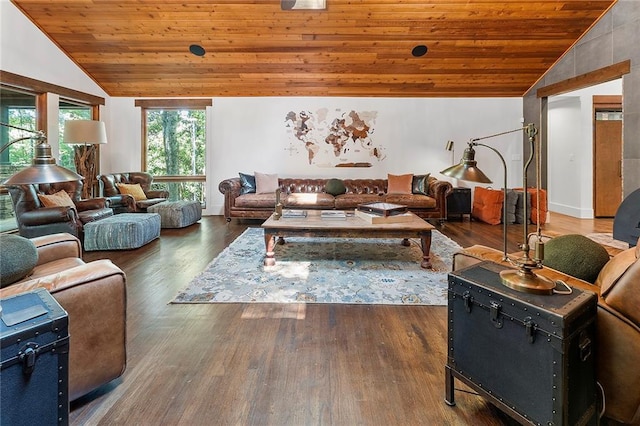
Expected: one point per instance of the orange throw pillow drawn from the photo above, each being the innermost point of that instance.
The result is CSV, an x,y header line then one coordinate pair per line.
x,y
487,205
399,184
133,189
59,199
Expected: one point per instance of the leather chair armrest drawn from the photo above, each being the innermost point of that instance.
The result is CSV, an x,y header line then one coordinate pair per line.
x,y
92,204
94,296
46,215
57,246
122,200
157,194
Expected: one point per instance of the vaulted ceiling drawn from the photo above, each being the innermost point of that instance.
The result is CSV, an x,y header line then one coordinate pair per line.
x,y
475,48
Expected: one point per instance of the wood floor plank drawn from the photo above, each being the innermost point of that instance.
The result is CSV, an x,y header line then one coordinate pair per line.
x,y
300,364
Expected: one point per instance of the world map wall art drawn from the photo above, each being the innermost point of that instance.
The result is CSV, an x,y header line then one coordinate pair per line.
x,y
334,139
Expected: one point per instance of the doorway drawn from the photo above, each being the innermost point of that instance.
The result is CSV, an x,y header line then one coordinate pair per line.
x,y
607,155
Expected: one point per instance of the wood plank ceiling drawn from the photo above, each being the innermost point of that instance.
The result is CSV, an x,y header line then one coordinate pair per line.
x,y
476,48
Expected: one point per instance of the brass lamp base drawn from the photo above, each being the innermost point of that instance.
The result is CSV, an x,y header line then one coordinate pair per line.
x,y
524,280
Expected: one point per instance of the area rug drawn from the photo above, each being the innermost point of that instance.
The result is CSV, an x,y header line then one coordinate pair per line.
x,y
607,240
325,270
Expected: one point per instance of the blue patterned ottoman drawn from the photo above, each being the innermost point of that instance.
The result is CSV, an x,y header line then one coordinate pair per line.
x,y
177,214
122,231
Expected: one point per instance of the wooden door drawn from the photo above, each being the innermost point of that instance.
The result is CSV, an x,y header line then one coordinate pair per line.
x,y
607,156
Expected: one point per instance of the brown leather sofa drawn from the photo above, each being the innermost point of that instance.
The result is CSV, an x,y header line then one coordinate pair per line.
x,y
94,296
124,203
34,219
618,325
295,196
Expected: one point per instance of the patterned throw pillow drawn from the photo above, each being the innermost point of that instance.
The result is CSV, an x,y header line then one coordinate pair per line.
x,y
420,184
59,199
399,184
248,183
266,183
133,189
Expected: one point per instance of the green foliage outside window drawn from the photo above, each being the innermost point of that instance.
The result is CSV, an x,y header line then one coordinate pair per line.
x,y
176,144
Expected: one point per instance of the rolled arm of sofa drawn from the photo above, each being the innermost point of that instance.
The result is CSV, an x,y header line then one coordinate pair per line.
x,y
231,189
439,189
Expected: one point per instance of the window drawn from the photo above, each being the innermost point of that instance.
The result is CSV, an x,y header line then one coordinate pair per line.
x,y
17,108
69,110
174,146
23,103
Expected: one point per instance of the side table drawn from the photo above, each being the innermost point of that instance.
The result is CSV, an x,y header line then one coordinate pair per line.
x,y
459,202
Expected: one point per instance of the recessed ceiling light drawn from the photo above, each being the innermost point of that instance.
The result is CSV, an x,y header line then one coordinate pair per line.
x,y
197,50
419,50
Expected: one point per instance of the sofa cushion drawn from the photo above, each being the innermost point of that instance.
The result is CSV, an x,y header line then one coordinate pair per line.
x,y
59,199
133,189
487,205
575,255
335,187
399,184
412,200
248,184
18,257
253,201
350,201
309,200
420,184
266,183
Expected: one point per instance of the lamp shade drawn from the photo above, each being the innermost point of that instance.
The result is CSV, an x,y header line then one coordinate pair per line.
x,y
467,169
85,132
43,169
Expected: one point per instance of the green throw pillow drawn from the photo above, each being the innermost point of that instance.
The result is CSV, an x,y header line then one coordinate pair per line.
x,y
575,255
335,187
18,257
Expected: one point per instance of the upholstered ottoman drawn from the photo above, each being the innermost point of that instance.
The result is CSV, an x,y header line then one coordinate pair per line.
x,y
122,231
177,214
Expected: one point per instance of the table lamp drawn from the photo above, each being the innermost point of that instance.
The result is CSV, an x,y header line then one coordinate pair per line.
x,y
85,135
522,278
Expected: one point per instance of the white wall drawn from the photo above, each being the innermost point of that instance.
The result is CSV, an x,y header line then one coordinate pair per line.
x,y
249,134
570,149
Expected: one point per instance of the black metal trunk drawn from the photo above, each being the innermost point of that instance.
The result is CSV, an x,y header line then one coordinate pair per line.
x,y
34,356
530,355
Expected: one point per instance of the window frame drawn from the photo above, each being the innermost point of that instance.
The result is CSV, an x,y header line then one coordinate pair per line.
x,y
168,104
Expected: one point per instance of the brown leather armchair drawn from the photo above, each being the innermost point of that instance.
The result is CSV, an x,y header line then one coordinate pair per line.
x,y
617,323
34,219
125,203
94,296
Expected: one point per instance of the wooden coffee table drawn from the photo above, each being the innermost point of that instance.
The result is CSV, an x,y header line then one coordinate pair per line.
x,y
351,227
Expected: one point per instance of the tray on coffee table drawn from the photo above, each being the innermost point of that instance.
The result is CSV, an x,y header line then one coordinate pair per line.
x,y
383,209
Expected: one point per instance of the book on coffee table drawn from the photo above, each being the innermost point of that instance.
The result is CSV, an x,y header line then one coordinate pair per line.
x,y
376,219
383,209
294,213
333,214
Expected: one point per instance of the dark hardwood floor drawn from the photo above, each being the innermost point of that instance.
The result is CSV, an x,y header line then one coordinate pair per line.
x,y
242,364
